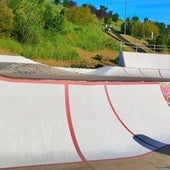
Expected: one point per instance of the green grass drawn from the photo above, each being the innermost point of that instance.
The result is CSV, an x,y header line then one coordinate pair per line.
x,y
11,45
62,45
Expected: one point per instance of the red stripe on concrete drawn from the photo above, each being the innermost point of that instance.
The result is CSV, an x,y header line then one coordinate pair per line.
x,y
70,124
114,111
126,71
116,114
160,73
142,72
36,81
48,81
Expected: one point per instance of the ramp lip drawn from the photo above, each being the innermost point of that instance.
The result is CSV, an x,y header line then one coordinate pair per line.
x,y
49,81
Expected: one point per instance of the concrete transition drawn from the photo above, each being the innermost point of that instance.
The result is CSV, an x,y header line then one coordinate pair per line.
x,y
61,121
144,60
51,122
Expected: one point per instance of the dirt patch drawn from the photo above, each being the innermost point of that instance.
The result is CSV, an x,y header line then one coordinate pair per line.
x,y
86,59
4,51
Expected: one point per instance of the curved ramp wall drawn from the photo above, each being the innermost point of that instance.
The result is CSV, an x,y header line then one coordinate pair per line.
x,y
144,60
130,72
53,122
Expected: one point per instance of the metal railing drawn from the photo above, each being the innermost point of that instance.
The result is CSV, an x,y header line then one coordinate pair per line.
x,y
146,47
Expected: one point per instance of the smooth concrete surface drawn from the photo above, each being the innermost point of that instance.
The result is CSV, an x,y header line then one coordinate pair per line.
x,y
131,72
15,59
144,60
45,122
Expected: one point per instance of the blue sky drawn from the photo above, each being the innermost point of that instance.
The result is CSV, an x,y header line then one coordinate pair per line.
x,y
155,10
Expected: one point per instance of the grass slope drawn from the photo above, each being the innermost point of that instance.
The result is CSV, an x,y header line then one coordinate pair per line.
x,y
77,45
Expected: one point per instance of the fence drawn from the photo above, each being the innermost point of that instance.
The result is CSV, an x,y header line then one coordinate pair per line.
x,y
145,47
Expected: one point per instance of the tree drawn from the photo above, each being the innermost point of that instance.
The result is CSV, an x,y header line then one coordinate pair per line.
x,y
149,29
102,12
115,17
93,8
80,15
135,18
27,21
69,3
53,21
6,19
128,26
56,1
137,29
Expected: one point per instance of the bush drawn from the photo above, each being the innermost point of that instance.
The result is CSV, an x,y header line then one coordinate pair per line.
x,y
98,57
53,22
27,21
6,20
80,15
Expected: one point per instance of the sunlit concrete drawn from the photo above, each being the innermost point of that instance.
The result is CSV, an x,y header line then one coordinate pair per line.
x,y
15,59
53,122
144,60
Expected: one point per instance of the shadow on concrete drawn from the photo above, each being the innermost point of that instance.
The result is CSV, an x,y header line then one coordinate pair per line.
x,y
152,144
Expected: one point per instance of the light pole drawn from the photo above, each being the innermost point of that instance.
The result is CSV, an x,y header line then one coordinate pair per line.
x,y
125,17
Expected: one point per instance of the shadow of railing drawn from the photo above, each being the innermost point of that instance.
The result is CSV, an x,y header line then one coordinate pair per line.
x,y
152,144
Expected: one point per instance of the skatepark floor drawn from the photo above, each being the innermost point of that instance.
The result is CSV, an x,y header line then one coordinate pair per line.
x,y
156,160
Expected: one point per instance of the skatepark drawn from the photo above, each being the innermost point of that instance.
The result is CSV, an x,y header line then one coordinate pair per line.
x,y
107,118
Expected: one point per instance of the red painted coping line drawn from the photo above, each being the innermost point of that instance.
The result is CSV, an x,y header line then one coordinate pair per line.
x,y
114,111
160,73
49,81
142,72
71,128
126,71
119,119
36,81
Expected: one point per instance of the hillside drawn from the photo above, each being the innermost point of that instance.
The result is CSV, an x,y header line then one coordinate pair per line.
x,y
60,34
86,58
60,40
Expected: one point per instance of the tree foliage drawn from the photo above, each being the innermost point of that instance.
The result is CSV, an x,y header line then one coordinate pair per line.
x,y
69,3
80,15
6,19
56,1
53,21
27,21
150,29
115,17
136,28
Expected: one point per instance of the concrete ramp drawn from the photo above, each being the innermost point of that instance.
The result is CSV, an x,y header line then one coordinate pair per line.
x,y
144,60
130,72
15,59
53,122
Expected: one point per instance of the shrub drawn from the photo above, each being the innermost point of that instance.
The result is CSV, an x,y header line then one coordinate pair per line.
x,y
98,57
80,15
6,19
27,21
